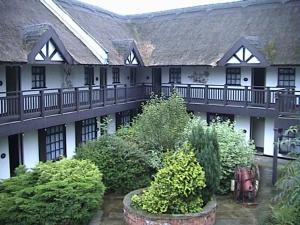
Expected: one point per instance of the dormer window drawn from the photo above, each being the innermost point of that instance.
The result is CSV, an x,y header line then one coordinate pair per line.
x,y
131,59
49,53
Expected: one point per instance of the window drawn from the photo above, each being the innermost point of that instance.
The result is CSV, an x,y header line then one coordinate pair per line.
x,y
38,77
233,76
125,117
131,59
222,117
286,77
55,142
116,75
175,75
88,75
88,129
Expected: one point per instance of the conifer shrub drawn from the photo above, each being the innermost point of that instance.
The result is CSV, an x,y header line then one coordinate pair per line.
x,y
66,192
206,146
123,164
176,188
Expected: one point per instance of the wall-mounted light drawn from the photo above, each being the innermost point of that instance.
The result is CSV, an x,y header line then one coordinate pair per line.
x,y
1,83
245,79
3,155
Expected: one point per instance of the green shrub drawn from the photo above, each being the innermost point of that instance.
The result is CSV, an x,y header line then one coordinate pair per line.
x,y
123,165
54,193
177,186
234,150
287,200
159,127
204,140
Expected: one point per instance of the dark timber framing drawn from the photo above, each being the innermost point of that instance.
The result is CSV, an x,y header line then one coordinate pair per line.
x,y
135,51
50,34
243,42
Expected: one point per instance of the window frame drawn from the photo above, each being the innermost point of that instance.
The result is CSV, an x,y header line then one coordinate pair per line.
x,y
116,75
86,131
41,73
61,150
222,116
233,77
175,75
289,80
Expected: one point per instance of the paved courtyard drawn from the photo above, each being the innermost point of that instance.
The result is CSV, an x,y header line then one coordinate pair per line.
x,y
228,211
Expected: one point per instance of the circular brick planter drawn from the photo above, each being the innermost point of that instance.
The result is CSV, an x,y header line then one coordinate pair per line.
x,y
134,216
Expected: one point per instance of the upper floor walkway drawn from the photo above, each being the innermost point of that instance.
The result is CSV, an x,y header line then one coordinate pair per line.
x,y
31,105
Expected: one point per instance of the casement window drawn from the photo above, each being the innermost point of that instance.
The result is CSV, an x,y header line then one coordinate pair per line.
x,y
219,116
233,76
86,130
52,143
286,77
175,75
116,75
38,76
88,75
124,118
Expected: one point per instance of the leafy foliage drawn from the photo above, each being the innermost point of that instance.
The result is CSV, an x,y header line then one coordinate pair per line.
x,y
123,164
234,150
206,146
54,193
159,127
287,207
177,186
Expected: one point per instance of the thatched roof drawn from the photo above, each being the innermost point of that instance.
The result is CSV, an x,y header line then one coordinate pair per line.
x,y
191,36
23,22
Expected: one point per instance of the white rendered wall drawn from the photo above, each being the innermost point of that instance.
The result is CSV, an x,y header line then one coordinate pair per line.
x,y
243,123
202,115
4,163
30,149
111,128
3,79
269,136
70,140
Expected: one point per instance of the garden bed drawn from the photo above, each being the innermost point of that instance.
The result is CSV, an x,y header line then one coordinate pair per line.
x,y
134,216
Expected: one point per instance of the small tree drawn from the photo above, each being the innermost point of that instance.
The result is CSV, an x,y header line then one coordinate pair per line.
x,y
177,186
206,146
159,127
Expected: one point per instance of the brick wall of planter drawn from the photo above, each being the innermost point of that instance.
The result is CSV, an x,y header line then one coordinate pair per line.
x,y
137,217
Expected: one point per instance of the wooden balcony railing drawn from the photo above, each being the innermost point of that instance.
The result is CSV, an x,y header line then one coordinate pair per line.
x,y
17,106
38,103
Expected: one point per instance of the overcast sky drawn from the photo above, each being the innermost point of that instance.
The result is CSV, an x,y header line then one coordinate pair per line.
x,y
126,7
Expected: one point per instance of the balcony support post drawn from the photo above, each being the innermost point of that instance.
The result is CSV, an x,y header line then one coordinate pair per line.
x,y
206,94
91,96
77,101
42,102
268,98
125,92
225,95
60,99
246,96
115,94
21,105
188,93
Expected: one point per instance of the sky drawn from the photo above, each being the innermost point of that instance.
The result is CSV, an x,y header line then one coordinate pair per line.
x,y
127,7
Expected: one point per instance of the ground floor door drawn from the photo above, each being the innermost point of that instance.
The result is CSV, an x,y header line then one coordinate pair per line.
x,y
258,85
257,132
103,76
15,152
156,80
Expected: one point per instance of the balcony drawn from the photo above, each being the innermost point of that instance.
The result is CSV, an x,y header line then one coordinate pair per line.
x,y
32,104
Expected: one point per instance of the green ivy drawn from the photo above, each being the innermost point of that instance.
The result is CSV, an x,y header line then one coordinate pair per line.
x,y
65,192
176,188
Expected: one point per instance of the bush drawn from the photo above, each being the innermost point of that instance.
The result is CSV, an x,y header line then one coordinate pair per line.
x,y
204,140
159,127
287,200
54,193
233,148
177,186
123,165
